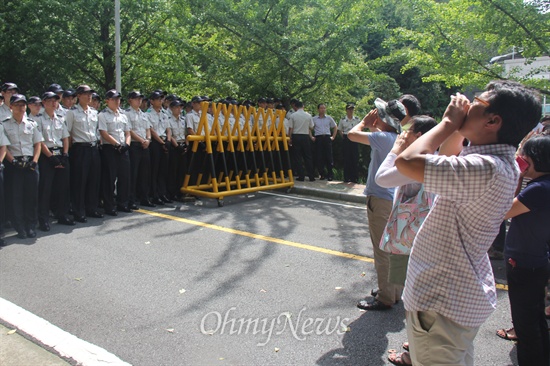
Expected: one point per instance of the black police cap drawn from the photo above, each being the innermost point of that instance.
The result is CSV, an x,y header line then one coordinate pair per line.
x,y
113,93
49,95
9,86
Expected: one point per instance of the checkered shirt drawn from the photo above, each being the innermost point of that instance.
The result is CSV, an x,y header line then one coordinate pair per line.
x,y
449,271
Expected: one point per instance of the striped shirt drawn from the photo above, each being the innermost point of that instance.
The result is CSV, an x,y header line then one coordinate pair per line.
x,y
449,271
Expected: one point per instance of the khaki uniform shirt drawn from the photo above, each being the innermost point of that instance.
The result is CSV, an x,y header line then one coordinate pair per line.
x,y
22,136
3,138
139,123
5,112
300,122
158,121
177,126
53,130
82,124
115,123
192,120
345,125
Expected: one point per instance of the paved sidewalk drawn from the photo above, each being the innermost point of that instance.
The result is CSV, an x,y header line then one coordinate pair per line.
x,y
347,192
16,350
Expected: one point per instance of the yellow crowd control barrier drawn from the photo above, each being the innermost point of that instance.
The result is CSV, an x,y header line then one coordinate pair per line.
x,y
237,150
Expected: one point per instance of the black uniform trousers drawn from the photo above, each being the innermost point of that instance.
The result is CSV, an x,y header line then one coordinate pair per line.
x,y
23,185
177,170
351,160
159,169
140,173
2,201
527,292
323,151
85,178
116,170
301,150
54,185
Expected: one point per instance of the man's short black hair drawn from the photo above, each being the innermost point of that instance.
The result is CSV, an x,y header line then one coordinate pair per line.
x,y
422,124
298,104
538,149
518,106
411,103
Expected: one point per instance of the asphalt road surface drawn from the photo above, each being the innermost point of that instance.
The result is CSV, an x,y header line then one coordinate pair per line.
x,y
269,279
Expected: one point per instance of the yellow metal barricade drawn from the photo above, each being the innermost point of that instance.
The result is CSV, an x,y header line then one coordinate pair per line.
x,y
232,153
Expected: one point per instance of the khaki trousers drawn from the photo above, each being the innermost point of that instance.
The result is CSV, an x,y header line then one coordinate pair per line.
x,y
378,212
437,340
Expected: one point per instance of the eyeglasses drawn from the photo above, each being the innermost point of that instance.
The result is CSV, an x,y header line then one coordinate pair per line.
x,y
482,101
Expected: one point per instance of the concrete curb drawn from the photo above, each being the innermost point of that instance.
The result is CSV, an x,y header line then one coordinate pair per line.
x,y
324,193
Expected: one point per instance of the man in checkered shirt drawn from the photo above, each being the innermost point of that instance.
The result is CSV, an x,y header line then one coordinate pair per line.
x,y
450,289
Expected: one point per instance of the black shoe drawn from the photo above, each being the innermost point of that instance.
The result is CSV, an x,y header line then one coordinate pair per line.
x,y
43,226
65,221
166,199
81,219
329,179
123,208
157,201
301,179
147,204
375,305
311,179
32,234
22,234
322,178
94,214
111,213
133,206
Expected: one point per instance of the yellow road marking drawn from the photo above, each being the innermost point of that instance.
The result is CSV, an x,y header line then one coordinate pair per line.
x,y
259,236
271,239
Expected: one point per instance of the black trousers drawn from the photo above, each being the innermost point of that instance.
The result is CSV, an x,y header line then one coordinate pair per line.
x,y
177,170
526,290
85,178
24,197
116,170
54,185
301,150
323,151
159,169
140,173
350,151
2,201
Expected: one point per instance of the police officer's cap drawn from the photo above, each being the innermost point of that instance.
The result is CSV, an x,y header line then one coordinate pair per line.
x,y
18,98
155,95
171,97
113,93
81,89
350,106
293,100
56,88
196,99
176,103
134,95
35,99
9,86
161,92
262,100
69,93
270,101
206,98
95,96
49,95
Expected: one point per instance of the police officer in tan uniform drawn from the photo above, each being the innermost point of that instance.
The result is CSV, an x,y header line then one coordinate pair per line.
x,y
54,184
22,174
3,143
84,156
350,148
178,164
140,158
114,129
7,90
159,149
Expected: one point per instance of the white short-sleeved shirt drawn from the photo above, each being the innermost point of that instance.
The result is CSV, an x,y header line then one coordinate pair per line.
x,y
22,136
158,121
3,138
115,124
139,123
82,124
300,122
345,125
192,120
449,271
177,126
53,130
